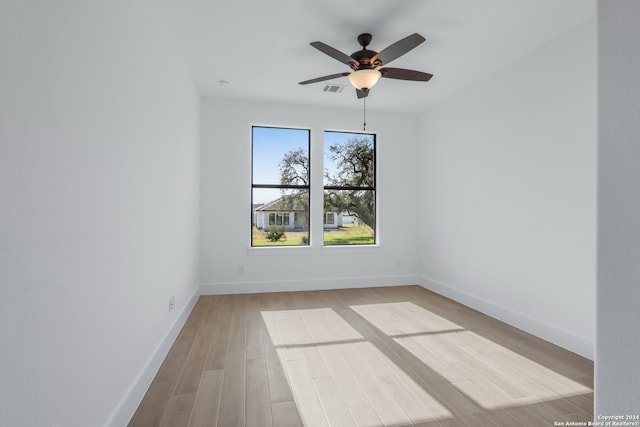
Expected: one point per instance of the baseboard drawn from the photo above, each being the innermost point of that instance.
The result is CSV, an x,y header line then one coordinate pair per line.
x,y
132,398
305,284
537,327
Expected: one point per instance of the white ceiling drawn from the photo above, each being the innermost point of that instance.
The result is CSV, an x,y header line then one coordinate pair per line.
x,y
262,47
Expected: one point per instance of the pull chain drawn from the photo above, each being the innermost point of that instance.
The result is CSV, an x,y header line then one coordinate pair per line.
x,y
364,113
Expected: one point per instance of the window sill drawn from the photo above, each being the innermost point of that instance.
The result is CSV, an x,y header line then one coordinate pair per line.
x,y
349,249
279,250
308,250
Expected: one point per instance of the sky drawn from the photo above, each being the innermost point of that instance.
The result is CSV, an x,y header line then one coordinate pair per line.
x,y
270,145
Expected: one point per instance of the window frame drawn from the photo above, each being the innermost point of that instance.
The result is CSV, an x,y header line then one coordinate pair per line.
x,y
373,188
306,187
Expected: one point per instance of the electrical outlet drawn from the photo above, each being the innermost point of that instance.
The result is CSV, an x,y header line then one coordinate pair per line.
x,y
172,302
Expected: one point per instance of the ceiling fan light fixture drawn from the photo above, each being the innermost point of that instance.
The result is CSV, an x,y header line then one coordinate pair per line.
x,y
364,79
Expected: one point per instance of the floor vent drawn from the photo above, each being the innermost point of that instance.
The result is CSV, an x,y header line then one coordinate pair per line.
x,y
333,88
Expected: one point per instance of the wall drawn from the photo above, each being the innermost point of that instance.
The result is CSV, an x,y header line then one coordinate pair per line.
x,y
227,264
618,341
507,193
98,207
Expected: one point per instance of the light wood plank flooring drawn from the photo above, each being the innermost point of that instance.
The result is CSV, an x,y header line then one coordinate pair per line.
x,y
397,356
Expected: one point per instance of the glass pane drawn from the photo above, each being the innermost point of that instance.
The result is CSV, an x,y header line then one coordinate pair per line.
x,y
280,156
280,217
349,159
354,217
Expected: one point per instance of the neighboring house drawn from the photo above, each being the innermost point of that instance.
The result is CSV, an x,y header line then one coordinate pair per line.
x,y
333,219
290,213
347,219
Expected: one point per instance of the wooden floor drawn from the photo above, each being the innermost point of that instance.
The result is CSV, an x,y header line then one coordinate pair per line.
x,y
396,356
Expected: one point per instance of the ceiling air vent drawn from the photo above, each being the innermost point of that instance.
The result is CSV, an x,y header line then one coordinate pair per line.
x,y
333,88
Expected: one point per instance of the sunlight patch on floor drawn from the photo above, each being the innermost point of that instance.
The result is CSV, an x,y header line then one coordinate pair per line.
x,y
337,377
403,318
490,374
310,326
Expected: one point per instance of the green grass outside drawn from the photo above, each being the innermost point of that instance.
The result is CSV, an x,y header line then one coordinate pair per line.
x,y
347,235
291,238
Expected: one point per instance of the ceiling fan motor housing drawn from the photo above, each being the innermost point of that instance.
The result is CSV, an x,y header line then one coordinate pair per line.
x,y
364,55
364,59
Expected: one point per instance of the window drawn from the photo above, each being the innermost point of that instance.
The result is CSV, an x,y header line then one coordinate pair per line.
x,y
279,219
349,188
280,186
329,218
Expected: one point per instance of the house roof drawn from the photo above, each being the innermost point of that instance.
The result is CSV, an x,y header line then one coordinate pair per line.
x,y
285,204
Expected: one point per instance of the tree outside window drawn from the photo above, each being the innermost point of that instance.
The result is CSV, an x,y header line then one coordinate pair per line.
x,y
350,187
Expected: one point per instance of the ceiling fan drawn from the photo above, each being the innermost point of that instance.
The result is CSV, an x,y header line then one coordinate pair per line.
x,y
364,63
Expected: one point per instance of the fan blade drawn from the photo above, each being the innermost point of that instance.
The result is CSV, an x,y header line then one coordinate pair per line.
x,y
362,93
398,49
321,79
335,54
404,74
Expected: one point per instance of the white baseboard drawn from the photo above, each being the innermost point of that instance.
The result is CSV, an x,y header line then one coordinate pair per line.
x,y
537,327
129,403
305,284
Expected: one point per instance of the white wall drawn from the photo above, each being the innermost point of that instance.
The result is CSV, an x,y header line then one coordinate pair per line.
x,y
618,340
227,264
507,193
98,206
